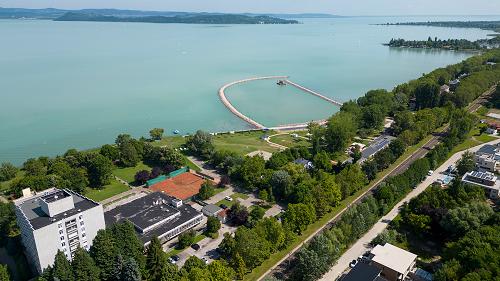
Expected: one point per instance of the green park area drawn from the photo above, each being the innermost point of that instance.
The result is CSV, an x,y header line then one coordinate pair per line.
x,y
235,197
107,191
289,141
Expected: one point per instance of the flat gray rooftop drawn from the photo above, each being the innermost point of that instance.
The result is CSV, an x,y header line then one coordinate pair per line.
x,y
38,218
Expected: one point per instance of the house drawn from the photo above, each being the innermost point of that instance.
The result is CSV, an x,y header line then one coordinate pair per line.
x,y
375,146
488,158
491,130
211,210
156,215
445,89
395,263
454,84
56,220
364,272
304,162
487,180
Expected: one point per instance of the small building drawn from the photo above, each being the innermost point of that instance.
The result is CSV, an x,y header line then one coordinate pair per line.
x,y
222,215
156,215
395,263
488,158
375,146
304,162
364,272
445,89
487,180
211,210
56,220
454,84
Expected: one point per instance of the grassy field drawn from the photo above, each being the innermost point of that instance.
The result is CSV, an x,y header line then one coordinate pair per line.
x,y
289,141
243,143
171,141
474,139
109,190
128,174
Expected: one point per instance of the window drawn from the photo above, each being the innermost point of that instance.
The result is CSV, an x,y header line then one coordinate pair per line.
x,y
83,235
64,250
81,223
59,225
63,244
80,217
62,238
60,231
83,228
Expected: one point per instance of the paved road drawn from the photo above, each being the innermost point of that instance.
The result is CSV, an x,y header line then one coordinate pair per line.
x,y
362,245
419,153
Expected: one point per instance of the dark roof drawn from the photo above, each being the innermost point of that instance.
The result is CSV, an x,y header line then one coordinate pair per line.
x,y
39,219
150,210
55,196
363,272
375,146
487,149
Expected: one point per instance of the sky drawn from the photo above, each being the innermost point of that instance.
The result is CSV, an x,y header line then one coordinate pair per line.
x,y
339,7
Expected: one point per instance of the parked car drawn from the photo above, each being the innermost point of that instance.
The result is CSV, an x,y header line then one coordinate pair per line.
x,y
174,259
204,260
353,263
228,198
196,247
430,172
223,206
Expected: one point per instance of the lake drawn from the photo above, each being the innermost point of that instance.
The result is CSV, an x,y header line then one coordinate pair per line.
x,y
79,84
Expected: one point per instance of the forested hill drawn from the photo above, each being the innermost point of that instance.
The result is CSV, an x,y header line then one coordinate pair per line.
x,y
194,19
487,25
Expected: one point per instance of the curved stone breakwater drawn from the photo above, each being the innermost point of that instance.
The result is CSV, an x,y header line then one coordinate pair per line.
x,y
257,125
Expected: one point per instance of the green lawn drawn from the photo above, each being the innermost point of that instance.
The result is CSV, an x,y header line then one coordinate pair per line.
x,y
474,139
192,165
234,196
289,141
109,190
5,185
171,141
128,174
243,143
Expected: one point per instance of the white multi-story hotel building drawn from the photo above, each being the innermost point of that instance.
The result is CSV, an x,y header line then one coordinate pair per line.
x,y
57,220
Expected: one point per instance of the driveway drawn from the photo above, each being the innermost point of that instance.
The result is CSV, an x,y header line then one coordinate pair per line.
x,y
362,245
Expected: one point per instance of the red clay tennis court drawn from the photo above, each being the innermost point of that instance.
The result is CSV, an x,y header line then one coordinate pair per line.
x,y
183,186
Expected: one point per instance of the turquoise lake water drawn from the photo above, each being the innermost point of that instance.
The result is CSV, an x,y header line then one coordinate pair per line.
x,y
79,84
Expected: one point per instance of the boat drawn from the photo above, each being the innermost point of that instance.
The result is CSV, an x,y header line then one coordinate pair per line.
x,y
281,83
176,132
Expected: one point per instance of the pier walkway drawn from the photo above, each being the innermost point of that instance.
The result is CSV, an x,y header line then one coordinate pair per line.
x,y
313,92
257,125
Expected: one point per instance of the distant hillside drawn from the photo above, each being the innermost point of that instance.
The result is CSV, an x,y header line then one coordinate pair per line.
x,y
195,19
487,25
49,13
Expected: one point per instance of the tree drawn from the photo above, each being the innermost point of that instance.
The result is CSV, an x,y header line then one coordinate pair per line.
x,y
397,147
462,219
34,167
78,180
370,169
351,179
186,239
110,151
305,268
156,133
4,273
129,157
130,246
7,171
466,163
213,225
169,272
322,161
256,214
62,268
84,268
141,177
238,214
340,131
373,116
239,266
252,170
299,216
253,248
272,231
99,169
448,272
219,271
193,262
130,271
206,190
427,95
200,144
224,181
103,251
155,258
281,183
